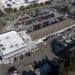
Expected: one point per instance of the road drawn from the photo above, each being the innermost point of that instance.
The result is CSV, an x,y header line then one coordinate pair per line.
x,y
51,29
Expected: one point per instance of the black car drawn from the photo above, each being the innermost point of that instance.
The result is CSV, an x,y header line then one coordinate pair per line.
x,y
13,71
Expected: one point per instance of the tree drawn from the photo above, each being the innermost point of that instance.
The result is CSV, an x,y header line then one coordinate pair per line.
x,y
66,9
35,5
48,2
72,61
27,7
41,4
69,68
15,9
8,10
51,1
1,13
62,70
22,8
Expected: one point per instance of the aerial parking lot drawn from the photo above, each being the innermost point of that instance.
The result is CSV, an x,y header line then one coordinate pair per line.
x,y
38,23
35,19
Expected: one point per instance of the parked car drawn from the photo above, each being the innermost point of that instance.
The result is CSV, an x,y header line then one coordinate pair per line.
x,y
13,71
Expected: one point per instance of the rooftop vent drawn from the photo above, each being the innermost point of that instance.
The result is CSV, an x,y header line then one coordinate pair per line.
x,y
22,44
11,46
3,48
16,45
1,45
7,37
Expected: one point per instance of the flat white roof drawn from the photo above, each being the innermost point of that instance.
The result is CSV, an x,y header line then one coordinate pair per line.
x,y
10,42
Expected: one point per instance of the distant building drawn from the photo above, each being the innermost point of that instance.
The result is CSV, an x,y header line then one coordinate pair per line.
x,y
18,3
14,45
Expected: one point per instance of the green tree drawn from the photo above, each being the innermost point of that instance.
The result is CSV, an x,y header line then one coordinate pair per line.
x,y
22,8
27,7
66,9
41,4
1,13
62,70
15,10
72,61
8,10
48,2
35,5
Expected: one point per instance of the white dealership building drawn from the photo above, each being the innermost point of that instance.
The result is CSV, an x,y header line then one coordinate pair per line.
x,y
13,45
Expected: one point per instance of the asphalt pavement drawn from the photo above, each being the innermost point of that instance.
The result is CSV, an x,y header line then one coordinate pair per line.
x,y
51,29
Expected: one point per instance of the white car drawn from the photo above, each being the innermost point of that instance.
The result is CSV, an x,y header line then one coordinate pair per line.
x,y
15,73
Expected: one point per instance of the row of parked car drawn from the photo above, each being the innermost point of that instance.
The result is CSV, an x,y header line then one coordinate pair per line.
x,y
38,19
45,24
